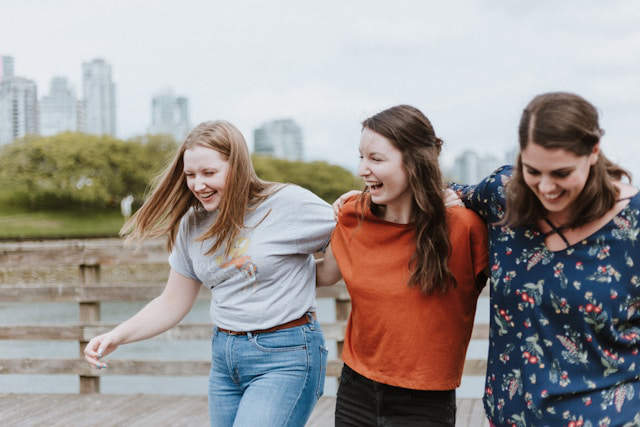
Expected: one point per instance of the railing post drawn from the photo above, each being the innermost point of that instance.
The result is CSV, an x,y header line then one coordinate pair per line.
x,y
343,308
89,312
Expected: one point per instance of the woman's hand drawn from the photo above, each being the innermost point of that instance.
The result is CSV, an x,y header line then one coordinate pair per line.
x,y
451,198
99,347
337,205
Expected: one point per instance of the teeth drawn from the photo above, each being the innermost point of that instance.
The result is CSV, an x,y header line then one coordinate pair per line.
x,y
552,196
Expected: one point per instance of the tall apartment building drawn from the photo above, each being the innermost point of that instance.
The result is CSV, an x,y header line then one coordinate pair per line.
x,y
170,115
99,98
6,67
279,138
18,104
470,168
59,109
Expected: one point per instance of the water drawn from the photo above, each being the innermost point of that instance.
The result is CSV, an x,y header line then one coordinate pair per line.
x,y
154,349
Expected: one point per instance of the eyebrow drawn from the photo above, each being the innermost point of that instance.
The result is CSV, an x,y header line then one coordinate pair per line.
x,y
564,169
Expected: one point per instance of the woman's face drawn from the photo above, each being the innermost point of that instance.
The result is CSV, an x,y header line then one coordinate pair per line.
x,y
383,172
206,170
556,176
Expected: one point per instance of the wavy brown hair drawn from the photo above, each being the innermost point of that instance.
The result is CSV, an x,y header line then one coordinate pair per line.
x,y
569,122
170,198
411,132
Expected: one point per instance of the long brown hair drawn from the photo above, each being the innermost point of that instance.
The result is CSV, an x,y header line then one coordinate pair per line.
x,y
170,198
411,132
569,122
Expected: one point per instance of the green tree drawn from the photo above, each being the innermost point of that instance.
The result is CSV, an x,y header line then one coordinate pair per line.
x,y
326,180
78,170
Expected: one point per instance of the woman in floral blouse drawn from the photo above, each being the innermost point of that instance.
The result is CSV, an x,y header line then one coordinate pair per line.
x,y
564,253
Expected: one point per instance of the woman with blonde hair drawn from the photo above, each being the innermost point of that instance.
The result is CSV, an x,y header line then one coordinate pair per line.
x,y
251,243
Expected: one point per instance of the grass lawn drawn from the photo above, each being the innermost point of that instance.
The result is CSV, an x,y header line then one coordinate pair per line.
x,y
25,224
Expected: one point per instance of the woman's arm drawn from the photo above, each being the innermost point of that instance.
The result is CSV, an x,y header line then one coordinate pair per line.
x,y
162,313
327,271
487,198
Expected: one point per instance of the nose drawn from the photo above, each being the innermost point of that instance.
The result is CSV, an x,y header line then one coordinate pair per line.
x,y
363,168
198,183
546,184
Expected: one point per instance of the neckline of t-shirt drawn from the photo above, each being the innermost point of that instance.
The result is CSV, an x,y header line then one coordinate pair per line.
x,y
600,230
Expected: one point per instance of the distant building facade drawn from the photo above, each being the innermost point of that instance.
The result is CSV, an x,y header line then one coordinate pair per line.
x,y
58,109
470,168
18,104
170,115
279,138
6,67
99,99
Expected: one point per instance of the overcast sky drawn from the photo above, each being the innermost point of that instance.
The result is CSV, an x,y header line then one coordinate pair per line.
x,y
470,66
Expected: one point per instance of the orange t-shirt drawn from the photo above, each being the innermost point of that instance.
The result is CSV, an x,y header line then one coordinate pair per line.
x,y
396,335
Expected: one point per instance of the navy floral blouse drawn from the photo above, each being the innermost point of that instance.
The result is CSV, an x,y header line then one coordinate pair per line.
x,y
565,325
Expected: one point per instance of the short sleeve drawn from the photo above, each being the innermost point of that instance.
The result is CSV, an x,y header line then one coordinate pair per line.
x,y
310,219
486,198
179,259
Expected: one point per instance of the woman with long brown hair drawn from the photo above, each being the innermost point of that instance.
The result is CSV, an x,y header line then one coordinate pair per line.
x,y
414,270
565,283
251,243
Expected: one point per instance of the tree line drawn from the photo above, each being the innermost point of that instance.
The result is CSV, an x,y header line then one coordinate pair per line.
x,y
74,170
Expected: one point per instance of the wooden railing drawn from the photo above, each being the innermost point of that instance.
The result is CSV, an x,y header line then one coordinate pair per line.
x,y
89,272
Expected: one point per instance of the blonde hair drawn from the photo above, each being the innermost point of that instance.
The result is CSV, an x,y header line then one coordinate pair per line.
x,y
170,198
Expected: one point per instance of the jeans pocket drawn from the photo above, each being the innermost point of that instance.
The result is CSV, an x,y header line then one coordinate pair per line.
x,y
323,371
280,341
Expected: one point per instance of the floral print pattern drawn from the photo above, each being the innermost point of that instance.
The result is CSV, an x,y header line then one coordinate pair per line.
x,y
565,325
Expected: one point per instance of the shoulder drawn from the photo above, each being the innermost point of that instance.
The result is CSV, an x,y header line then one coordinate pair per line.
x,y
294,194
351,211
459,216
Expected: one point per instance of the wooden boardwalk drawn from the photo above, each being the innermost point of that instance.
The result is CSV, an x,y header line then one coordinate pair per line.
x,y
105,410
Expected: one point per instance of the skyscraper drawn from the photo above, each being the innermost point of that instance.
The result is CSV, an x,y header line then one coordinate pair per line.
x,y
6,67
99,98
170,115
18,104
279,138
58,110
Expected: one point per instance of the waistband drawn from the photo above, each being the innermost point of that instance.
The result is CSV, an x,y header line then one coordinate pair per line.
x,y
307,317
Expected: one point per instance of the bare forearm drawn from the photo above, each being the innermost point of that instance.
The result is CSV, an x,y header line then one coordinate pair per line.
x,y
155,318
327,271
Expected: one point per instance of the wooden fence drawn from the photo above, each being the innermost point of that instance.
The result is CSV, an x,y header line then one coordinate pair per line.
x,y
89,272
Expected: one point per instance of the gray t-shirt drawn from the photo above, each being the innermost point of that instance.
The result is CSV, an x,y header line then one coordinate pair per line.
x,y
269,278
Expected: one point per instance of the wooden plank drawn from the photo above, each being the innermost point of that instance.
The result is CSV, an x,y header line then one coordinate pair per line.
x,y
54,293
148,367
157,410
470,413
194,331
41,332
79,252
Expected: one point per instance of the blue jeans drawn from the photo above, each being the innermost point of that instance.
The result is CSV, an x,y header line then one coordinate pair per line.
x,y
269,379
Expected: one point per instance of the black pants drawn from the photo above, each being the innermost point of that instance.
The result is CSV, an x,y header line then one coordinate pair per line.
x,y
363,402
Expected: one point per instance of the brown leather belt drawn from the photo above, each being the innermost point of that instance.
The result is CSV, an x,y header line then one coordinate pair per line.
x,y
291,324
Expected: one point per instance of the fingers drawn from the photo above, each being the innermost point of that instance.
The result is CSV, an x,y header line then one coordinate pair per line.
x,y
451,198
337,205
95,350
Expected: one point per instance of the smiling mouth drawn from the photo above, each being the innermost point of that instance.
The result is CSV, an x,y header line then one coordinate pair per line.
x,y
208,195
553,196
373,187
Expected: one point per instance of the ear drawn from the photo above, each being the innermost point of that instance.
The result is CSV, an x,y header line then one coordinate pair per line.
x,y
595,153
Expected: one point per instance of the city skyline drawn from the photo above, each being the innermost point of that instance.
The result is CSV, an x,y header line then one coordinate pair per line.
x,y
471,66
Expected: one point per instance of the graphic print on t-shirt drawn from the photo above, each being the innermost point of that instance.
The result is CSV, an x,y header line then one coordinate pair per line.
x,y
238,258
